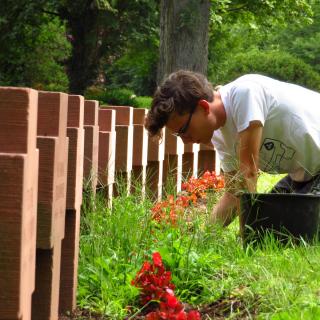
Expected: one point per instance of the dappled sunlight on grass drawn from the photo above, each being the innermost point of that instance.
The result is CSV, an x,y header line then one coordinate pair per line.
x,y
267,181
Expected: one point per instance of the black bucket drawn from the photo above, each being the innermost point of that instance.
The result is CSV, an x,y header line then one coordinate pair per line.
x,y
294,216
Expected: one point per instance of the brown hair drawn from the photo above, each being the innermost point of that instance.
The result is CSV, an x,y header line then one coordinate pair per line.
x,y
179,93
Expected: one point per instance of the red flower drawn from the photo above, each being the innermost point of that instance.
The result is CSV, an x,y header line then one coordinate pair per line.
x,y
181,316
194,315
157,260
172,301
167,211
155,284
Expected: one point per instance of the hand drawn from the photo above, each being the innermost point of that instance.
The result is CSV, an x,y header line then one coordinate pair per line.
x,y
225,210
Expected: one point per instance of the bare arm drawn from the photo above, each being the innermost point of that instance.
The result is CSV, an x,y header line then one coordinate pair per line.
x,y
245,180
226,208
250,140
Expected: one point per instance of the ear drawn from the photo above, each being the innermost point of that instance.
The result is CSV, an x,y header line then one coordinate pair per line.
x,y
204,104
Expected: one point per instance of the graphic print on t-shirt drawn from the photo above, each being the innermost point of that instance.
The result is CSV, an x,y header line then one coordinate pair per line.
x,y
272,153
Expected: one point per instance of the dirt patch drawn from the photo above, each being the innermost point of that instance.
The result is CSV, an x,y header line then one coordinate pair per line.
x,y
80,314
218,310
223,308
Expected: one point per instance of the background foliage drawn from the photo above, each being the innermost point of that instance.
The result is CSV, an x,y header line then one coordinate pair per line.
x,y
274,63
101,46
33,47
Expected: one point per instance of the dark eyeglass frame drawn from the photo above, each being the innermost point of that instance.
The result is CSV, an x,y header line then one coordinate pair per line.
x,y
185,127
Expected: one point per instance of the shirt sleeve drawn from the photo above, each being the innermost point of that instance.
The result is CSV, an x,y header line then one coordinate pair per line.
x,y
248,103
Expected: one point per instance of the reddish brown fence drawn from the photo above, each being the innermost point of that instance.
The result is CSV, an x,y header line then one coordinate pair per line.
x,y
52,145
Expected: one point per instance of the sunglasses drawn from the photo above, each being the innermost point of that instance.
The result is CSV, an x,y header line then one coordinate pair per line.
x,y
185,127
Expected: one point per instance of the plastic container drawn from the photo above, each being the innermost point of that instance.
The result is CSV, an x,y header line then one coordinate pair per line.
x,y
284,215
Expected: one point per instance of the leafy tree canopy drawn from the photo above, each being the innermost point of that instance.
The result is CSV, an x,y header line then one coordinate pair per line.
x,y
261,11
97,30
42,39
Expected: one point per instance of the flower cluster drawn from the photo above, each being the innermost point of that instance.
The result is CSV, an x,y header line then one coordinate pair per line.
x,y
167,211
208,181
155,285
194,189
153,280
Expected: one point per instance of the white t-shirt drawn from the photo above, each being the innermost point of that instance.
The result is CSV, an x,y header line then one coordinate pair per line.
x,y
290,116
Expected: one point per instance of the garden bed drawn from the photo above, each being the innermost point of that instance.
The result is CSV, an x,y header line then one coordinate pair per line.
x,y
210,269
218,310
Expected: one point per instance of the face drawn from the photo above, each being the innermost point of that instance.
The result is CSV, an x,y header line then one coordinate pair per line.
x,y
193,127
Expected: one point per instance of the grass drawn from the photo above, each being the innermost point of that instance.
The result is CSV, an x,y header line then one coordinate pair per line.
x,y
208,263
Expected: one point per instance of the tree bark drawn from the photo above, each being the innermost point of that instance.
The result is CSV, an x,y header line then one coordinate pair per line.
x,y
184,36
83,65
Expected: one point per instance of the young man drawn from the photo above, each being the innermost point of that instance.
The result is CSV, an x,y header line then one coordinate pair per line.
x,y
254,122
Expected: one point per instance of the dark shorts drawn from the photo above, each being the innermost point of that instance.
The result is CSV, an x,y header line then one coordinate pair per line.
x,y
287,185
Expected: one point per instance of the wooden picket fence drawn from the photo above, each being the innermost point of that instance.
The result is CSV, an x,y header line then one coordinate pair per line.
x,y
50,143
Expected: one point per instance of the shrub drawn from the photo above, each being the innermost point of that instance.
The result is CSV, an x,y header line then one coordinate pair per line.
x,y
136,69
34,56
117,97
276,64
142,102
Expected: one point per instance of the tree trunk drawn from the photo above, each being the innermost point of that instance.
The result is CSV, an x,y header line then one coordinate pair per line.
x,y
184,36
83,65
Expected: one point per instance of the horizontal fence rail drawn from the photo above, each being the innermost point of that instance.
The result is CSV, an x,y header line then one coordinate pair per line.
x,y
52,147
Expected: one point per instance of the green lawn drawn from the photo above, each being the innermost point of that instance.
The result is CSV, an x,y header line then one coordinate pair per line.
x,y
208,263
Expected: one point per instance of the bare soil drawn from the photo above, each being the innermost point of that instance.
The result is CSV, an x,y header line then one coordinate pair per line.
x,y
217,310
